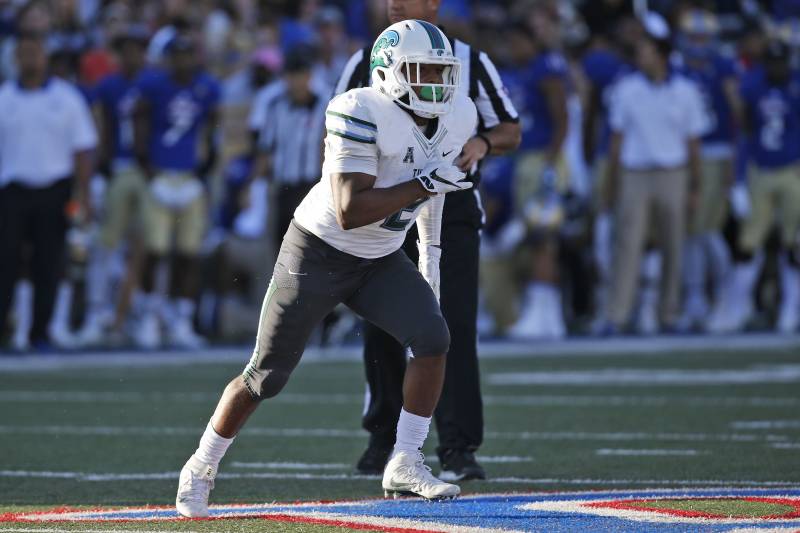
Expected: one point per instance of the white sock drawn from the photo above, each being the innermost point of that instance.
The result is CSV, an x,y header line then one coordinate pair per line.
x,y
412,430
720,261
98,292
63,306
152,303
23,311
790,283
185,308
212,447
694,268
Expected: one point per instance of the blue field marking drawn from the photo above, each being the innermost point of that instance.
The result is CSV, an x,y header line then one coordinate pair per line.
x,y
481,512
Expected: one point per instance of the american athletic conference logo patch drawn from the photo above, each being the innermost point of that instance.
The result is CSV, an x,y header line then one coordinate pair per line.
x,y
707,510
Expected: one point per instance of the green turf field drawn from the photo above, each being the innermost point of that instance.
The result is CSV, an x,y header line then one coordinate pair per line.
x,y
118,436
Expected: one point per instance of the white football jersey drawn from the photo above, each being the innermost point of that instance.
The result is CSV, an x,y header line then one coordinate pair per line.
x,y
369,133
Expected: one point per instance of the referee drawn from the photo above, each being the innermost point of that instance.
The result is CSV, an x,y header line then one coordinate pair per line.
x,y
290,138
459,415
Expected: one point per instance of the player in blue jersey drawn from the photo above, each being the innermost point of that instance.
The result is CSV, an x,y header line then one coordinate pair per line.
x,y
771,99
542,99
114,98
176,106
706,254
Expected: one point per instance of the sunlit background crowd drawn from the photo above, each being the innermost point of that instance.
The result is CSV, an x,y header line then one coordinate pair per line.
x,y
656,189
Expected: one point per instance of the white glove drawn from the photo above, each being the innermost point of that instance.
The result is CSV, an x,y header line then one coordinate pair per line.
x,y
174,191
740,200
440,178
429,265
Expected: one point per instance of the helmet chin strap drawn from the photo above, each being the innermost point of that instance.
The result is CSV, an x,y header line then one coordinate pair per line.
x,y
416,112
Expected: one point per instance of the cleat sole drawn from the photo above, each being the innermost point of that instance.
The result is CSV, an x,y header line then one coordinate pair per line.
x,y
400,494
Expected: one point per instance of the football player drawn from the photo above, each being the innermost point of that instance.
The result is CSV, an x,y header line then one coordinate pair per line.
x,y
115,99
771,98
705,250
389,156
174,107
540,177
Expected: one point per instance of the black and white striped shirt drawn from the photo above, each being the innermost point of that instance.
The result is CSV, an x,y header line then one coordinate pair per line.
x,y
292,134
480,81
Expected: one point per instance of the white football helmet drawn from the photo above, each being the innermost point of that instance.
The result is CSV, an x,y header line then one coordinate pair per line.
x,y
403,47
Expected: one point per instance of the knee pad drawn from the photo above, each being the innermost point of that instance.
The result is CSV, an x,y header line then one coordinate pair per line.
x,y
433,340
264,383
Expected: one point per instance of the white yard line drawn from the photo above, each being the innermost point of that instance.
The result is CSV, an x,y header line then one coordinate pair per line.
x,y
289,465
627,452
651,377
786,445
539,400
766,424
280,465
29,396
583,347
532,400
144,476
109,530
167,431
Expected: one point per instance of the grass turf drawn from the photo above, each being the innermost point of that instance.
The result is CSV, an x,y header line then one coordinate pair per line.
x,y
552,437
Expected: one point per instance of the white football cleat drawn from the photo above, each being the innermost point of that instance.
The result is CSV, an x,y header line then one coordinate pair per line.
x,y
542,316
182,335
196,482
147,333
406,474
647,318
789,316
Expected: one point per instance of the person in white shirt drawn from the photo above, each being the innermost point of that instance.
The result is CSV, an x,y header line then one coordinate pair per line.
x,y
46,140
657,118
389,161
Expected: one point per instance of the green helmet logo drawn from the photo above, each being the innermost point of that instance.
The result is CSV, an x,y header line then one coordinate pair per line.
x,y
380,56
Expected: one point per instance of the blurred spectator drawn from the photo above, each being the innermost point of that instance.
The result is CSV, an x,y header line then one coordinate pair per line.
x,y
657,119
540,257
175,104
32,18
115,98
239,271
608,58
290,141
706,253
540,175
771,96
331,46
46,139
242,96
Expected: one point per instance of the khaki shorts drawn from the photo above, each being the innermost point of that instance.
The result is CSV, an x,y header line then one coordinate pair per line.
x,y
185,226
500,289
772,193
125,201
527,177
712,208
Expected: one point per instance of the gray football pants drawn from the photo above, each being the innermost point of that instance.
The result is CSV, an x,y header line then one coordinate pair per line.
x,y
311,278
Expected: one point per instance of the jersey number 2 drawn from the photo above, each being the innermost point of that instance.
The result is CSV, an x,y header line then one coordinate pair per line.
x,y
397,222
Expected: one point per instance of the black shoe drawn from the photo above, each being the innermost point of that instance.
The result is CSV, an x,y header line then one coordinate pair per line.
x,y
460,465
374,459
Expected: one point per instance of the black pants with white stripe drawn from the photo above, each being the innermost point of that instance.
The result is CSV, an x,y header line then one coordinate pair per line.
x,y
459,415
36,217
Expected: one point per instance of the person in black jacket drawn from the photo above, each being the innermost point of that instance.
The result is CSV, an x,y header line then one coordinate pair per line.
x,y
459,416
